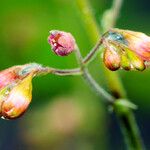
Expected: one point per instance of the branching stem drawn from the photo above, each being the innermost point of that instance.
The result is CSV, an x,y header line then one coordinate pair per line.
x,y
91,82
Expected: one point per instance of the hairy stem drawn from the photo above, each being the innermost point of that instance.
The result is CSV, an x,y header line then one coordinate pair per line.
x,y
98,89
90,56
91,82
60,72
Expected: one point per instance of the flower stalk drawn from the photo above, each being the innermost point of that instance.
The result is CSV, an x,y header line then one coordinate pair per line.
x,y
91,82
92,54
126,119
60,72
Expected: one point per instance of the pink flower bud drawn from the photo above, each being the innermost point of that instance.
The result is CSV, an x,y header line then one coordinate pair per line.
x,y
132,47
62,43
16,99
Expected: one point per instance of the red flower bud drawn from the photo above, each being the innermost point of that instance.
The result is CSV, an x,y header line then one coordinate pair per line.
x,y
62,43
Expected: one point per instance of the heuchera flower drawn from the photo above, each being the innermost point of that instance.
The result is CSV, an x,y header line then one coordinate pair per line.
x,y
62,43
16,89
126,49
16,99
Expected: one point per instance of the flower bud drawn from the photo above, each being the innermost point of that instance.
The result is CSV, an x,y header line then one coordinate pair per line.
x,y
133,48
111,58
16,89
62,43
16,99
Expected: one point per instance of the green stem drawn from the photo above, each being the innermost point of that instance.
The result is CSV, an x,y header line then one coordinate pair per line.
x,y
129,128
126,118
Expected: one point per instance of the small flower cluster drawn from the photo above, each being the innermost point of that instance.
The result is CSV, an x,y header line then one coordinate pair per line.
x,y
123,49
126,49
16,89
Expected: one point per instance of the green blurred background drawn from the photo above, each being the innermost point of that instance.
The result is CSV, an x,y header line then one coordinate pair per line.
x,y
65,114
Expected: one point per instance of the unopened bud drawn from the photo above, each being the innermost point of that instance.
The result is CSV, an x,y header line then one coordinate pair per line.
x,y
111,58
16,89
15,101
62,43
132,47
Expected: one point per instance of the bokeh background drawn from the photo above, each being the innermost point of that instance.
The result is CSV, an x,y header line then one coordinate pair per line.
x,y
65,114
